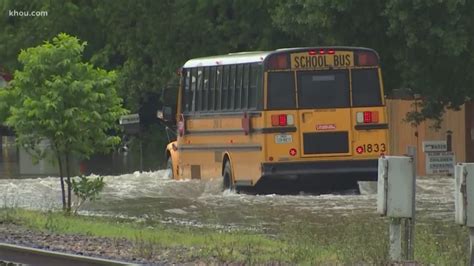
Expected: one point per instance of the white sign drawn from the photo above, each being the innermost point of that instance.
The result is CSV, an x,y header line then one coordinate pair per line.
x,y
441,162
129,119
283,138
435,145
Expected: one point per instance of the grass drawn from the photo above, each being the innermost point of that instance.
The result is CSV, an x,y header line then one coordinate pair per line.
x,y
355,239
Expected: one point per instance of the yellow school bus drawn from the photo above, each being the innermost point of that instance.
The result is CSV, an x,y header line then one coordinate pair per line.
x,y
304,114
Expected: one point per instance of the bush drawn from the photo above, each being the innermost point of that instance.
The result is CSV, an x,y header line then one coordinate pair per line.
x,y
87,189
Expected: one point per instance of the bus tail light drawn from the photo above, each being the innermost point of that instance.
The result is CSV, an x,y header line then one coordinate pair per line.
x,y
321,51
282,120
360,150
279,61
366,58
367,117
293,152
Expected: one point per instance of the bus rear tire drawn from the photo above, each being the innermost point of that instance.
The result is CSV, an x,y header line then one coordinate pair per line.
x,y
227,178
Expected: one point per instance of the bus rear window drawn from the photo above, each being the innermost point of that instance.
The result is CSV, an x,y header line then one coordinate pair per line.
x,y
281,90
323,89
365,88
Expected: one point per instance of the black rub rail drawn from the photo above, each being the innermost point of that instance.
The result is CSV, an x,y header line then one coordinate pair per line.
x,y
33,256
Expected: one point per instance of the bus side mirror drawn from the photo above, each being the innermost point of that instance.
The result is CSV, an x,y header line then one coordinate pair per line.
x,y
167,114
168,98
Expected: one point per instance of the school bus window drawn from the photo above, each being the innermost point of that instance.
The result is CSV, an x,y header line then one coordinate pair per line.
x,y
199,89
260,86
225,88
238,87
281,90
194,79
245,87
218,87
205,102
366,88
204,88
196,92
212,88
323,89
214,96
232,93
186,76
253,85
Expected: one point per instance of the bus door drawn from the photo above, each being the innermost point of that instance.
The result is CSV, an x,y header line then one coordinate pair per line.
x,y
324,113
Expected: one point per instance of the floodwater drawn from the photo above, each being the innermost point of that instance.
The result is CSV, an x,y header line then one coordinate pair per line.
x,y
152,196
17,163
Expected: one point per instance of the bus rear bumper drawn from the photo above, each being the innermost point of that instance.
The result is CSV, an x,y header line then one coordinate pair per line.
x,y
366,169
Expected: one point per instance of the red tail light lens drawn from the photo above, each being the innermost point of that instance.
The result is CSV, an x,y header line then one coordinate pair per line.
x,y
282,120
279,120
367,117
293,152
367,58
321,51
280,61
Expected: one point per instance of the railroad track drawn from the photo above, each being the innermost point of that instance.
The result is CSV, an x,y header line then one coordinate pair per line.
x,y
32,256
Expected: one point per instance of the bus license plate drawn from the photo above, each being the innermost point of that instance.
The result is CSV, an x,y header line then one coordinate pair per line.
x,y
283,138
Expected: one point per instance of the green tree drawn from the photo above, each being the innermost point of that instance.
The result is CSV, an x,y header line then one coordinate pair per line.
x,y
426,46
150,49
58,98
75,17
433,52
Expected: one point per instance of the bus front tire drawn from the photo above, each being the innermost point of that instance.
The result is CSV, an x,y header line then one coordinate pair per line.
x,y
227,182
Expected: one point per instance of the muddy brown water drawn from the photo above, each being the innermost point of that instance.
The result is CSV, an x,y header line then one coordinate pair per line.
x,y
153,196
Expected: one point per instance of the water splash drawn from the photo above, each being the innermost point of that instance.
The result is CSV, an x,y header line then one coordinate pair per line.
x,y
153,196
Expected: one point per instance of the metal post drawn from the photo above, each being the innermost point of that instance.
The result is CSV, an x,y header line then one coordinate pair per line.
x,y
471,246
400,200
449,140
395,239
410,223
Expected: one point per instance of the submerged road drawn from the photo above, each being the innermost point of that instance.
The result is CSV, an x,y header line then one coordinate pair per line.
x,y
151,196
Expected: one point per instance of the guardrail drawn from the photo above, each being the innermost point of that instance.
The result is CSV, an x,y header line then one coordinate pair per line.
x,y
33,256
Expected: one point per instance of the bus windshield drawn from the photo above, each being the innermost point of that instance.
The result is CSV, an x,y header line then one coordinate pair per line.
x,y
320,89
